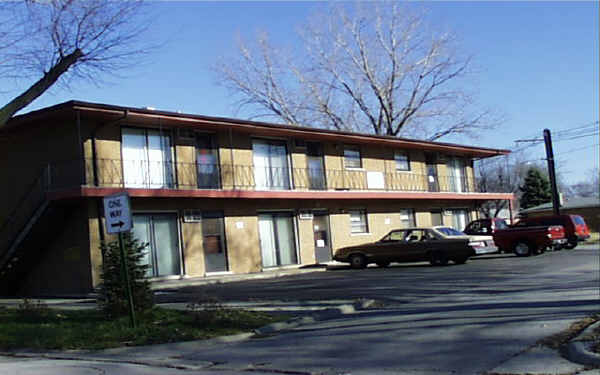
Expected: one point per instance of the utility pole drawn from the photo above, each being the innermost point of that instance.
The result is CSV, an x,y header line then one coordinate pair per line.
x,y
551,172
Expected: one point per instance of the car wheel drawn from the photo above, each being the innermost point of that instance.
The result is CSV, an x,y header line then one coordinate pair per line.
x,y
522,249
461,260
438,259
571,244
383,264
358,261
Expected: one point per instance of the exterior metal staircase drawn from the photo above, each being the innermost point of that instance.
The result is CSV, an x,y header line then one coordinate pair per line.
x,y
25,231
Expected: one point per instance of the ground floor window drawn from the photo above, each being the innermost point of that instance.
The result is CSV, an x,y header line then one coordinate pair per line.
x,y
161,233
407,218
213,240
277,239
358,221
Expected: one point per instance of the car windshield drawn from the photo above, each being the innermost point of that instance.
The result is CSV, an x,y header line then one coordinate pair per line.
x,y
578,220
449,231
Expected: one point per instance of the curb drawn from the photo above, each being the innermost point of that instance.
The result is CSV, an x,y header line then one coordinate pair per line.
x,y
326,314
169,285
578,349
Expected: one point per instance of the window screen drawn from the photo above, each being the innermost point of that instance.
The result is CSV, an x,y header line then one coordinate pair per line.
x,y
352,157
402,161
358,221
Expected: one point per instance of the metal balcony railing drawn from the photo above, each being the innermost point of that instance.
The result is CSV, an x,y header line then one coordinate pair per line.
x,y
167,174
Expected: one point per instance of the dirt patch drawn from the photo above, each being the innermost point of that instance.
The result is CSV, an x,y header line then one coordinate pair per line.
x,y
557,340
595,338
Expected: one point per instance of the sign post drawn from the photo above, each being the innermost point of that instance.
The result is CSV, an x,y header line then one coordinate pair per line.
x,y
117,212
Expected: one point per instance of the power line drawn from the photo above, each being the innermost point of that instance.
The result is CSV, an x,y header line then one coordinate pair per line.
x,y
579,149
589,126
577,129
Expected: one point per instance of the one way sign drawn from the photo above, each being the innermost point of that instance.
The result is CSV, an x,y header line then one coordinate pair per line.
x,y
117,213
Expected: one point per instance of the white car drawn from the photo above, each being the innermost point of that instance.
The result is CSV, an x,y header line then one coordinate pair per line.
x,y
480,243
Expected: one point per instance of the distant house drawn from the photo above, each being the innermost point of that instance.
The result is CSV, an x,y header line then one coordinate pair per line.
x,y
588,208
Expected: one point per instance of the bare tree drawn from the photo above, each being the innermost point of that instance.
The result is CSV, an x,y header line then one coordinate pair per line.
x,y
372,68
500,175
50,41
589,188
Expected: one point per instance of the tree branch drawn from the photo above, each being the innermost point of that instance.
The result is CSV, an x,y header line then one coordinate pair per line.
x,y
38,88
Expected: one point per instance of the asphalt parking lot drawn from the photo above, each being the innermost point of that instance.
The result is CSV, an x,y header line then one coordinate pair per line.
x,y
492,274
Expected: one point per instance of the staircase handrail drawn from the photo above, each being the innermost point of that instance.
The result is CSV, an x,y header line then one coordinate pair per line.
x,y
11,221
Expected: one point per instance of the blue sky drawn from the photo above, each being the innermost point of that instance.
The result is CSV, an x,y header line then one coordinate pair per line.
x,y
538,65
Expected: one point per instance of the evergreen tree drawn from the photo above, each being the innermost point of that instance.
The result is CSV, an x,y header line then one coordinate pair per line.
x,y
536,189
113,294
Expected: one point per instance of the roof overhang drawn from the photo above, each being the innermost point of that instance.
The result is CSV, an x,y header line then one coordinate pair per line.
x,y
149,117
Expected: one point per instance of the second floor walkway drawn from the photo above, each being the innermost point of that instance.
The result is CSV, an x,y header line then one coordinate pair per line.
x,y
161,174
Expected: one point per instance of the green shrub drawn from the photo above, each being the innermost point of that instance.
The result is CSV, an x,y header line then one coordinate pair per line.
x,y
113,293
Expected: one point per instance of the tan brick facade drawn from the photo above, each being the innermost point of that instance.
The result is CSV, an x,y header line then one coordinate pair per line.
x,y
88,150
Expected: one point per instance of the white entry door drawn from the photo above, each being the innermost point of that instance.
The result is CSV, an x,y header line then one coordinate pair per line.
x,y
277,239
160,232
460,219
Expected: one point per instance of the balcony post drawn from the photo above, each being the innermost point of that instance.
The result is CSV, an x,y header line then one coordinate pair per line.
x,y
231,157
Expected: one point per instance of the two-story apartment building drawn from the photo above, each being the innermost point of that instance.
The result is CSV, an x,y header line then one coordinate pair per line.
x,y
210,195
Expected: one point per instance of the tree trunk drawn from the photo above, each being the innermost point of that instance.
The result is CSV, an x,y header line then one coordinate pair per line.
x,y
39,87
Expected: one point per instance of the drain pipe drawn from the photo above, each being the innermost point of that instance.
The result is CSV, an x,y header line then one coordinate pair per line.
x,y
231,156
94,132
99,204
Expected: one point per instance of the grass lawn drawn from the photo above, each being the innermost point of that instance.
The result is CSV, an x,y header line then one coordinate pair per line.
x,y
43,328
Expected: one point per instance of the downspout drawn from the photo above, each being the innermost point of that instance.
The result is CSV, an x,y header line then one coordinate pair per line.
x,y
231,156
99,204
94,132
81,150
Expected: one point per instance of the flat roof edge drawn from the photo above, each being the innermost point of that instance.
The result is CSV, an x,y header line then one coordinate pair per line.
x,y
224,121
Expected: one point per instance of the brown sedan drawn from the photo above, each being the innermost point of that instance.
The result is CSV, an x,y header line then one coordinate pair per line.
x,y
407,245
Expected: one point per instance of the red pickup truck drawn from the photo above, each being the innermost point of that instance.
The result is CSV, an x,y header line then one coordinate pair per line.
x,y
522,240
576,230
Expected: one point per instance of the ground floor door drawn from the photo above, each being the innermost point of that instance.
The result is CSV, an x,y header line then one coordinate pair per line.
x,y
436,217
161,233
213,241
460,219
277,239
322,237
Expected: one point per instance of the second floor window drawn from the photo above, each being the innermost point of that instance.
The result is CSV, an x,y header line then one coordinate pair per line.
x,y
207,162
352,157
271,170
147,158
358,221
402,161
457,176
